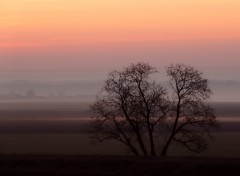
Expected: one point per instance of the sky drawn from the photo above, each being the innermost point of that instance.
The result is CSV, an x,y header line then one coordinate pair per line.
x,y
85,39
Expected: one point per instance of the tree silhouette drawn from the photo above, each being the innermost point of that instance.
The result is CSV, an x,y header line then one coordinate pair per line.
x,y
190,116
135,110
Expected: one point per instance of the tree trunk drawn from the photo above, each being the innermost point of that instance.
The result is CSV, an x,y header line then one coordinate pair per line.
x,y
141,144
164,152
129,144
153,152
135,152
165,148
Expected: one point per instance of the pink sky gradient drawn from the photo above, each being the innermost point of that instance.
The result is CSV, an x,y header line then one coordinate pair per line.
x,y
95,36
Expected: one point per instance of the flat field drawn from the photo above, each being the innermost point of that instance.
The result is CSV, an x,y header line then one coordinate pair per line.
x,y
53,127
50,165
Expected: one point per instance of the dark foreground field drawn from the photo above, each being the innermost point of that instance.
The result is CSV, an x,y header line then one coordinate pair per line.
x,y
33,165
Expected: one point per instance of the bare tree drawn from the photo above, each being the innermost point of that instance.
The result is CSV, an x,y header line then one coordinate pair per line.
x,y
190,116
136,111
129,108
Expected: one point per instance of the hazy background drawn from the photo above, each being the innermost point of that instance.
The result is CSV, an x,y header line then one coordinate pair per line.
x,y
223,90
67,47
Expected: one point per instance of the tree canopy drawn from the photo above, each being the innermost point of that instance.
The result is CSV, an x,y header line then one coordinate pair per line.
x,y
139,112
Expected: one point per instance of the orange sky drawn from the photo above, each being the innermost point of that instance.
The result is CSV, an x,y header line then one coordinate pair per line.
x,y
43,22
52,34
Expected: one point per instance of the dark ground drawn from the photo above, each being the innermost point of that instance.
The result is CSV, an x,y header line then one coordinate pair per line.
x,y
45,165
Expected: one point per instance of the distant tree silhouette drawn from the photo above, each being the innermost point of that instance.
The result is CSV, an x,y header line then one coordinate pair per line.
x,y
136,111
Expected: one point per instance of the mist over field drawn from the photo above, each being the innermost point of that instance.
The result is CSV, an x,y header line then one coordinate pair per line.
x,y
223,91
39,115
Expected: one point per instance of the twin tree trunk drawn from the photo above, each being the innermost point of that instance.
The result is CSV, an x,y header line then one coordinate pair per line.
x,y
153,151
